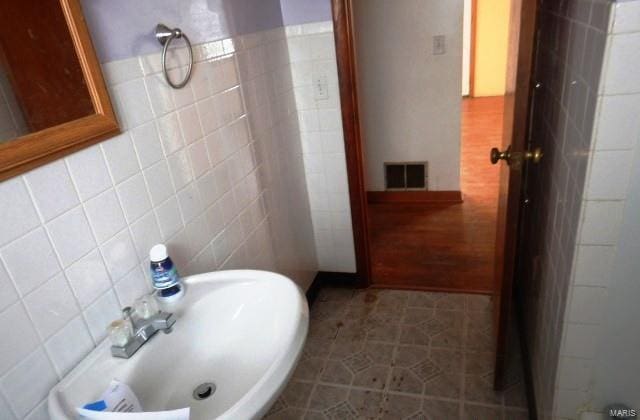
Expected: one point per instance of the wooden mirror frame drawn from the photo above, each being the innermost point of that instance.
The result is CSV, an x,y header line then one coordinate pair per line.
x,y
34,149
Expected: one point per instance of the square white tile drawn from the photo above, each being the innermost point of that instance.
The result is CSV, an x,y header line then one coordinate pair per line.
x,y
18,213
145,234
609,175
181,97
119,255
52,189
580,340
30,260
89,172
105,215
180,169
101,313
207,188
587,305
198,233
88,278
9,294
169,218
199,159
121,157
132,286
134,103
170,133
134,198
190,203
160,95
601,223
29,382
568,403
159,182
6,410
147,144
41,412
618,125
215,219
210,115
121,71
69,346
623,56
190,124
51,306
15,323
626,17
594,265
71,236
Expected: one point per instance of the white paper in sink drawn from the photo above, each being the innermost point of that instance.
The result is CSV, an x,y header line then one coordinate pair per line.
x,y
181,414
119,402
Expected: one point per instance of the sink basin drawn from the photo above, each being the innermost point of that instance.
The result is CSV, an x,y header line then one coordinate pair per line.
x,y
241,330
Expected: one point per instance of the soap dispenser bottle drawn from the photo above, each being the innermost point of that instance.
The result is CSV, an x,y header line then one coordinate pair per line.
x,y
164,275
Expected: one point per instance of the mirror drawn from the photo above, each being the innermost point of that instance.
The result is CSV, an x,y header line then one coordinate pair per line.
x,y
53,100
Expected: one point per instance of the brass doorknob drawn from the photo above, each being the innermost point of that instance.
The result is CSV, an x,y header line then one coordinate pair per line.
x,y
515,159
497,155
534,156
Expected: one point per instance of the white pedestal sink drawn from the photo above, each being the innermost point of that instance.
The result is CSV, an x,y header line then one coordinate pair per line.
x,y
242,330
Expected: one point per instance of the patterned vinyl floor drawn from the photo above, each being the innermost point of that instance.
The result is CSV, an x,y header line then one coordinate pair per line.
x,y
390,354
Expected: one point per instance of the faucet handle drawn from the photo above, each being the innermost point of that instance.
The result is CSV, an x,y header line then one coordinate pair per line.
x,y
145,307
127,315
120,332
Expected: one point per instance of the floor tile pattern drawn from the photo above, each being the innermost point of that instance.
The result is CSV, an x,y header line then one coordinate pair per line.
x,y
391,354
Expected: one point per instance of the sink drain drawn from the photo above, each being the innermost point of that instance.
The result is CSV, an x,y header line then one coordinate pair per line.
x,y
204,391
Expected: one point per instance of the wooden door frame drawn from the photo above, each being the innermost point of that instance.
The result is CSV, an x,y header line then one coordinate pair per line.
x,y
347,80
347,76
342,12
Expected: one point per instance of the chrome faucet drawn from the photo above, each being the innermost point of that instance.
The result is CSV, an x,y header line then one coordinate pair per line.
x,y
143,330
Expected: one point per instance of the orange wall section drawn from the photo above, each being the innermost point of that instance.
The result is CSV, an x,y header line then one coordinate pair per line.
x,y
491,46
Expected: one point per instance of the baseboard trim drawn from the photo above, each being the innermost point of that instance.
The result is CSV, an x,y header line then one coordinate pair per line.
x,y
429,289
422,197
331,279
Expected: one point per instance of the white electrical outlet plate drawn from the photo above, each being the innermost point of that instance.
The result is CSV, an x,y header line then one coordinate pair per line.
x,y
320,87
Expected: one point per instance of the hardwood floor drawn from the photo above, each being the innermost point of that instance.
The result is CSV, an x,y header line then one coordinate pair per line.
x,y
445,247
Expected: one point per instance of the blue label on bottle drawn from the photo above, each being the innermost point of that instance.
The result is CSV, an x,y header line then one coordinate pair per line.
x,y
164,275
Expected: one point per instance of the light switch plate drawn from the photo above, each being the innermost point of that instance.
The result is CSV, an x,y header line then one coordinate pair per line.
x,y
439,45
320,86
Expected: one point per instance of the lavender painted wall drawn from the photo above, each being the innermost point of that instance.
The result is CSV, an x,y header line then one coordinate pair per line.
x,y
296,12
124,28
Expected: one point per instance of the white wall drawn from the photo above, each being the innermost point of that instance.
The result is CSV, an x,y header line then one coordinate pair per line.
x,y
214,170
466,47
409,98
599,364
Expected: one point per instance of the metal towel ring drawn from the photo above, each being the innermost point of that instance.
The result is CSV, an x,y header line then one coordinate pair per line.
x,y
165,35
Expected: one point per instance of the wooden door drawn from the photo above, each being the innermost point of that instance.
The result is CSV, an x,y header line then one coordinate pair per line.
x,y
515,142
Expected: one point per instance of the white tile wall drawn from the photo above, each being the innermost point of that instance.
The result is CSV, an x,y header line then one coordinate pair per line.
x,y
611,157
219,178
312,54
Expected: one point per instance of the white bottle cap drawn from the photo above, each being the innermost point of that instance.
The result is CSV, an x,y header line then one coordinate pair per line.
x,y
158,253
